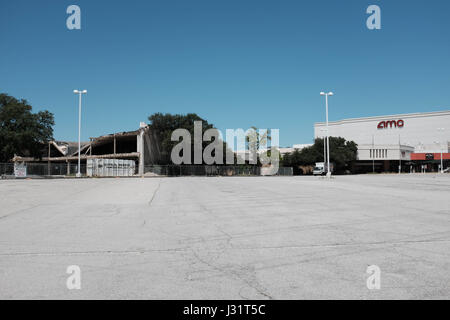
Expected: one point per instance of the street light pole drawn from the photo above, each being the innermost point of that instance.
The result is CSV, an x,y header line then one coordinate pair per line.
x,y
79,92
442,161
324,145
373,158
328,141
399,155
440,147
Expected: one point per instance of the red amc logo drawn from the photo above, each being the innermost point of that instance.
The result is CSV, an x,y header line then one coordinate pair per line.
x,y
391,124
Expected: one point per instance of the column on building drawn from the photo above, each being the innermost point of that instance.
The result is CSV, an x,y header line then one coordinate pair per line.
x,y
140,148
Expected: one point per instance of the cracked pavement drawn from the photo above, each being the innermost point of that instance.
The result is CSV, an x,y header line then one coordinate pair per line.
x,y
226,237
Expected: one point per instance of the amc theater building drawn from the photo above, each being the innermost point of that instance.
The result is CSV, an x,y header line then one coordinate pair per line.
x,y
413,141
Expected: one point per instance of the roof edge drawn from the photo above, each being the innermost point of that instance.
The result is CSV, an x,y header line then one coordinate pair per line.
x,y
403,115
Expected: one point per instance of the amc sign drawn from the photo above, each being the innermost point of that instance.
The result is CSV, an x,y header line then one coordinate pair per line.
x,y
391,124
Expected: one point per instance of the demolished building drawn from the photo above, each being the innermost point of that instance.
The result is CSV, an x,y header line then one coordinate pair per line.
x,y
139,145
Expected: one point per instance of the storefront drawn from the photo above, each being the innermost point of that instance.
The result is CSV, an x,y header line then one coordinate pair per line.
x,y
430,162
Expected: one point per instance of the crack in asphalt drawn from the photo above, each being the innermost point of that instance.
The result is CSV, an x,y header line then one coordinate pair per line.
x,y
252,283
152,198
333,245
94,252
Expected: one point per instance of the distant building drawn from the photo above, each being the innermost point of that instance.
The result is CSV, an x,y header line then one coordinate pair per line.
x,y
295,147
247,155
386,142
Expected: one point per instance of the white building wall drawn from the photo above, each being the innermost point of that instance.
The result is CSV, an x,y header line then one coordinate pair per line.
x,y
384,152
419,131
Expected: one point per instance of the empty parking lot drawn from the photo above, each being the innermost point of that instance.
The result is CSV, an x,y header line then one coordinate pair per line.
x,y
226,237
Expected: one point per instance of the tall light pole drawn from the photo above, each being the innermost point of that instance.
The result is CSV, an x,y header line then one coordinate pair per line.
x,y
79,92
442,161
324,145
399,155
373,158
328,141
440,147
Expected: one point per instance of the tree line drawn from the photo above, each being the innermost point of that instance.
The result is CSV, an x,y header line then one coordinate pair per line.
x,y
25,133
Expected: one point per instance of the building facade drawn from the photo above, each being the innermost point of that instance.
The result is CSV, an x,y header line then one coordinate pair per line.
x,y
403,141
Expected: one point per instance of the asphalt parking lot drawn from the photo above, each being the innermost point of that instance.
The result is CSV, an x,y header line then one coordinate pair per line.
x,y
226,237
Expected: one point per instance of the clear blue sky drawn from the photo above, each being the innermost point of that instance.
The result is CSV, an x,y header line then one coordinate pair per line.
x,y
236,63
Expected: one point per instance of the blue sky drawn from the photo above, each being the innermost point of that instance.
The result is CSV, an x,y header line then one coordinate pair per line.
x,y
237,63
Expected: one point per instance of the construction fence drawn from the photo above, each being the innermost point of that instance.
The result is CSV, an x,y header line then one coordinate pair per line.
x,y
110,168
40,169
116,168
209,170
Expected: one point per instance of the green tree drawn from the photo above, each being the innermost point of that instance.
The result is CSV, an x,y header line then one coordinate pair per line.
x,y
255,139
342,154
22,132
164,124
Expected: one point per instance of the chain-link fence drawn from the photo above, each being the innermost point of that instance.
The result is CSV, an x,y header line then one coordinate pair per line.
x,y
209,170
43,169
6,169
64,169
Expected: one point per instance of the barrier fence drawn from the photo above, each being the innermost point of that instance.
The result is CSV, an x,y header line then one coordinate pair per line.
x,y
41,169
64,169
210,170
110,168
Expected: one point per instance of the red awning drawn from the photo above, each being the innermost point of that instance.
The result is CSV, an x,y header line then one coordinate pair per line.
x,y
436,156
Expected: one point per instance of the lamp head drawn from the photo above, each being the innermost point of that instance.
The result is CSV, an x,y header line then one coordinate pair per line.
x,y
84,91
322,93
76,91
330,93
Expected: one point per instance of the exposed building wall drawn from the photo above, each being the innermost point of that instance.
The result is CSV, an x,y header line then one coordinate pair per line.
x,y
148,148
151,148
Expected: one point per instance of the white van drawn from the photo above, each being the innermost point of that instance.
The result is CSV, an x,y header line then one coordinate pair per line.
x,y
321,168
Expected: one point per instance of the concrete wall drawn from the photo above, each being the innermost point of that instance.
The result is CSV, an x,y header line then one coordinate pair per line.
x,y
148,147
